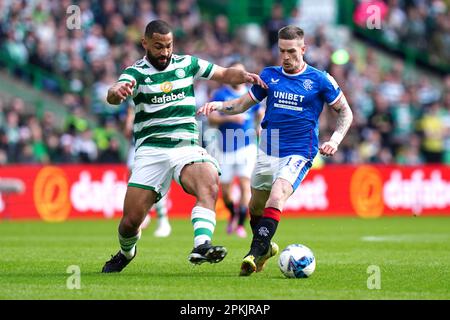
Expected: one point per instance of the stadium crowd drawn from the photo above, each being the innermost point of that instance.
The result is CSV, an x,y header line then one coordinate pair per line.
x,y
423,25
398,119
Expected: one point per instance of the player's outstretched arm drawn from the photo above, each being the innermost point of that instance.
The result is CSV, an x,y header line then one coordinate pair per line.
x,y
235,106
119,92
344,121
237,76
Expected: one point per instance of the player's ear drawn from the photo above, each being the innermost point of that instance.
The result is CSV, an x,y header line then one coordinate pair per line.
x,y
303,49
144,43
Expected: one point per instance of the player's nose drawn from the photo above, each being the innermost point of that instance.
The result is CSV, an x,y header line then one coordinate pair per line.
x,y
165,53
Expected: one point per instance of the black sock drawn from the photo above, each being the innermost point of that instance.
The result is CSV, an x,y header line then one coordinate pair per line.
x,y
230,207
254,220
262,236
242,215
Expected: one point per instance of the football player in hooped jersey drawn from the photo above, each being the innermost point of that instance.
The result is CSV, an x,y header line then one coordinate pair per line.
x,y
289,142
166,138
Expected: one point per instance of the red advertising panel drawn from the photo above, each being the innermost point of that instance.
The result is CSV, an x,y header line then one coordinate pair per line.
x,y
57,193
371,191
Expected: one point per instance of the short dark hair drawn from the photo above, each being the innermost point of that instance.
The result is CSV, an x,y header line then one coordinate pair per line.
x,y
291,32
157,26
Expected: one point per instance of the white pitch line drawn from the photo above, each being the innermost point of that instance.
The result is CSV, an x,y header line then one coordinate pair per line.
x,y
430,237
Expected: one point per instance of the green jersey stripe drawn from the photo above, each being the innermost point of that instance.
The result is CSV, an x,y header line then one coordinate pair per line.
x,y
162,98
207,71
195,65
189,127
162,121
131,71
177,111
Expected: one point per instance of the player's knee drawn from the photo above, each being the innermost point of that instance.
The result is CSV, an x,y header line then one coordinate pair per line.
x,y
278,197
275,200
131,222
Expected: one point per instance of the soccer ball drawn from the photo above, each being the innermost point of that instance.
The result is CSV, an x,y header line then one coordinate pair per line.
x,y
297,261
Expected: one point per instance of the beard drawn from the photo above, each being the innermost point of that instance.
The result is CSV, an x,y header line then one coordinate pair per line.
x,y
157,63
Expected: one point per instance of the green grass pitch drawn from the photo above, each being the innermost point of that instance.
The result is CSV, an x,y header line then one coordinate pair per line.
x,y
411,252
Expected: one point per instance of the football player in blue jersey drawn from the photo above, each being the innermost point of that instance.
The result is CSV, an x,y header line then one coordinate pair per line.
x,y
289,142
236,151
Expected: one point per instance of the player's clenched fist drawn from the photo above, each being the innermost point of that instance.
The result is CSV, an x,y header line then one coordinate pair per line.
x,y
120,91
328,148
209,107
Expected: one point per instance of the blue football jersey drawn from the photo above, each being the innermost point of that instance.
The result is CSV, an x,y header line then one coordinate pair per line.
x,y
294,103
247,134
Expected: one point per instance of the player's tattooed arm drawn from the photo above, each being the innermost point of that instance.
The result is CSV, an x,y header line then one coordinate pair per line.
x,y
344,121
345,116
235,106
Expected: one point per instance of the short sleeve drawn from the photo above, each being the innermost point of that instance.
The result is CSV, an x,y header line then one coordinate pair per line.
x,y
205,68
330,89
128,75
257,92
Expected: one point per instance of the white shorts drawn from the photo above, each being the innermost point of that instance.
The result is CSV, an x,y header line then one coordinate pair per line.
x,y
154,168
237,164
292,168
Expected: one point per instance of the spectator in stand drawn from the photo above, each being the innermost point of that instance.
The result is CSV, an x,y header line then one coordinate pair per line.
x,y
433,129
112,154
275,23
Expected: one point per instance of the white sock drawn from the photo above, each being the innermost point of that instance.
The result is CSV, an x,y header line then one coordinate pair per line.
x,y
128,245
204,222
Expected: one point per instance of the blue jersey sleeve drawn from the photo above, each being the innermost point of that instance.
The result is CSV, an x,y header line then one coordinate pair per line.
x,y
256,92
330,89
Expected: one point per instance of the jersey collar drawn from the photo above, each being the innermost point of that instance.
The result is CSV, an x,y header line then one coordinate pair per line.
x,y
303,69
146,61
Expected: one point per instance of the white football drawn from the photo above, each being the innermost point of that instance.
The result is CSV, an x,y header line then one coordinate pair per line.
x,y
297,261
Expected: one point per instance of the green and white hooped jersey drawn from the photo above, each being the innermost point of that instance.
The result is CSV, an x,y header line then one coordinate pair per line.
x,y
165,102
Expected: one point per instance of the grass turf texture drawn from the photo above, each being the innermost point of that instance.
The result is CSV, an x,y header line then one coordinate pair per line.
x,y
412,253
